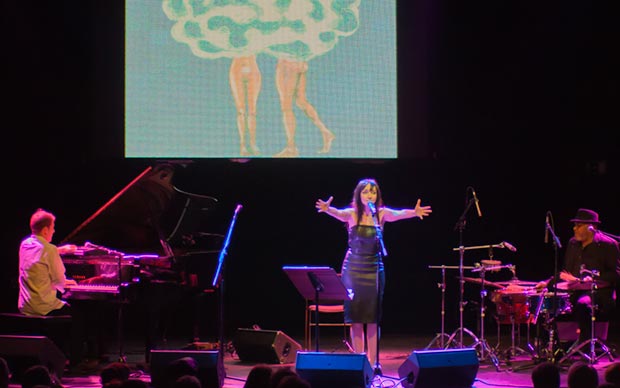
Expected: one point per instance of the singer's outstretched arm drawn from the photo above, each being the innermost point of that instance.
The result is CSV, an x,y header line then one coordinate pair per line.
x,y
420,211
340,214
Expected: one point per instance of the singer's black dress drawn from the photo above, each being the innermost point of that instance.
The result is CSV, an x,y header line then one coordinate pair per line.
x,y
359,275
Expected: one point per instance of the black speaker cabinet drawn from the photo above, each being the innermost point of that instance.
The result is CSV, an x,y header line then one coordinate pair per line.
x,y
21,352
265,346
211,372
328,370
451,368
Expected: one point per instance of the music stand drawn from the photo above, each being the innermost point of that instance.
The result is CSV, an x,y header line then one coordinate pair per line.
x,y
312,281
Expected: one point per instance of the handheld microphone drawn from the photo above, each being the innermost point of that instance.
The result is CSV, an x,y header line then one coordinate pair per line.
x,y
509,246
547,228
372,207
473,192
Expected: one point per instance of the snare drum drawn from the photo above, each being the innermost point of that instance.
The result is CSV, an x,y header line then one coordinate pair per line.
x,y
512,306
543,303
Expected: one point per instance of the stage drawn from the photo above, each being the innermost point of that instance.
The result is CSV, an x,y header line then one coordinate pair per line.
x,y
512,370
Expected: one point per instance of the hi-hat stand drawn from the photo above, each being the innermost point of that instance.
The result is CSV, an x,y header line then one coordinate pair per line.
x,y
591,356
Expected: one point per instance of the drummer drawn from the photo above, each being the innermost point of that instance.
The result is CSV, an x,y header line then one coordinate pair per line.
x,y
589,249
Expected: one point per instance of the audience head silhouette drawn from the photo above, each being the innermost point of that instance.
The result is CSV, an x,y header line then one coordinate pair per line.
x,y
612,374
184,366
5,373
546,375
279,374
259,377
582,375
293,382
37,375
114,372
187,381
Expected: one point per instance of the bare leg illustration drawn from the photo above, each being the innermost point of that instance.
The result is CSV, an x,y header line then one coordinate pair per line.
x,y
291,84
245,84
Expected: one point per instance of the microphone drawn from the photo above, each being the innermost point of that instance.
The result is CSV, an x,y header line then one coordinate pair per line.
x,y
473,192
509,246
238,208
316,283
591,228
547,228
373,208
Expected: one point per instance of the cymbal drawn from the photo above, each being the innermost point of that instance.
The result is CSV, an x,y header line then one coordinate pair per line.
x,y
581,286
479,281
517,282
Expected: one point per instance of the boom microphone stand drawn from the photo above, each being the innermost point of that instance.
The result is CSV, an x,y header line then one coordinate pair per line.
x,y
550,351
460,225
218,280
382,254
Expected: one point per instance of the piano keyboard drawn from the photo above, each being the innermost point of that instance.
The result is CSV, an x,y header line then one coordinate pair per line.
x,y
94,288
104,292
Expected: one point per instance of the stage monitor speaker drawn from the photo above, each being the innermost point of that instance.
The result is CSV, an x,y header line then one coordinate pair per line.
x,y
451,368
328,370
211,372
265,346
21,352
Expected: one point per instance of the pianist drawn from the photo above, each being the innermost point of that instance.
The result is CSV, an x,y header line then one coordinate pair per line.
x,y
42,277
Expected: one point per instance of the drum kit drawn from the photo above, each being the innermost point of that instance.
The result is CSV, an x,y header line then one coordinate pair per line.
x,y
516,302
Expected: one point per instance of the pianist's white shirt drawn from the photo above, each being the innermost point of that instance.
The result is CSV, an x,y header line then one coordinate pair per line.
x,y
41,274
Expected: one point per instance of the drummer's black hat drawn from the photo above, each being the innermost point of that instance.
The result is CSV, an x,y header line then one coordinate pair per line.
x,y
586,216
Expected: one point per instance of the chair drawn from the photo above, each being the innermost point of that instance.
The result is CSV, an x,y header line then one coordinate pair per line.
x,y
330,314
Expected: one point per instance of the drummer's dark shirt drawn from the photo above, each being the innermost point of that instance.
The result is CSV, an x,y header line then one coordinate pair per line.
x,y
602,254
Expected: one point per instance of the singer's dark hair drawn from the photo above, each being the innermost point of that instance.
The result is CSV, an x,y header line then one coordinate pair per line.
x,y
356,202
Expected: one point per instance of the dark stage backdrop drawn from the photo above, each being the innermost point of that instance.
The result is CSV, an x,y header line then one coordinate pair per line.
x,y
517,101
279,226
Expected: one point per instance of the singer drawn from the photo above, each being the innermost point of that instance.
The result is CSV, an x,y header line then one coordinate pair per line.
x,y
590,249
362,269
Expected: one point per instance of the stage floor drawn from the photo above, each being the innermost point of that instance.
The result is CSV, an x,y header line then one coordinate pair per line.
x,y
512,370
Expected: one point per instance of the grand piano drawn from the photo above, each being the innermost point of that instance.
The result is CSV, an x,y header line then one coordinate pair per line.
x,y
142,248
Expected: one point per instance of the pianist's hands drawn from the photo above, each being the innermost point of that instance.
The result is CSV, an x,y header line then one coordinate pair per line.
x,y
67,249
70,283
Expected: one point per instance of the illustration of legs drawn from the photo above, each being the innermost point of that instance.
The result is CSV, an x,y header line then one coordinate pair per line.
x,y
310,111
286,82
291,84
245,84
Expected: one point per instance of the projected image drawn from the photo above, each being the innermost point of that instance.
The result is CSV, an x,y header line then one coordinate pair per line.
x,y
262,78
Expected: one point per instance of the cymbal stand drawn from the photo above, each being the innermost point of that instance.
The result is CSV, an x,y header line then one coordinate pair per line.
x,y
442,286
591,357
482,342
461,327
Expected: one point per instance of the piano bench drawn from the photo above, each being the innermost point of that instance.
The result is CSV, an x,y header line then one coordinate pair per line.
x,y
56,328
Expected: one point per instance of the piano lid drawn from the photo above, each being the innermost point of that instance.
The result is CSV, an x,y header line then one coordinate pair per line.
x,y
148,215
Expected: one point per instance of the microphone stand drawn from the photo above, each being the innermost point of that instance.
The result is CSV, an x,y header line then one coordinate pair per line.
x,y
551,353
382,254
218,281
460,225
